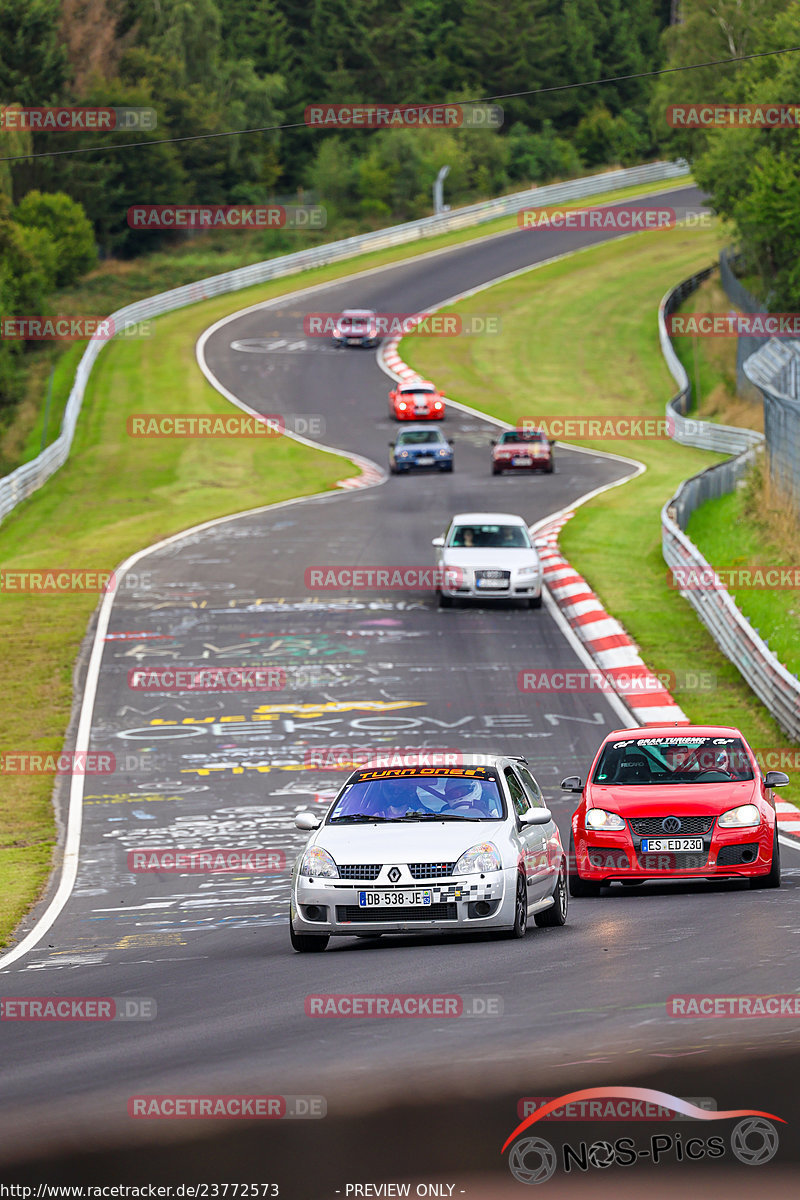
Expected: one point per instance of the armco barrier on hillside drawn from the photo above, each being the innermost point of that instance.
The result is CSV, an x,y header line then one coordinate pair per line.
x,y
26,479
774,685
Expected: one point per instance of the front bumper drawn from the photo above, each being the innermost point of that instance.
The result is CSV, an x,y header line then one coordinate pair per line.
x,y
527,586
413,464
331,907
605,857
419,415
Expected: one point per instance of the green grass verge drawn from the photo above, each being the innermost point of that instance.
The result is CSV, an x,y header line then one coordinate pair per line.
x,y
116,495
726,535
579,337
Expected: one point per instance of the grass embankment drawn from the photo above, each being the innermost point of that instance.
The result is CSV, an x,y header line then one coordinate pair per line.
x,y
596,353
116,495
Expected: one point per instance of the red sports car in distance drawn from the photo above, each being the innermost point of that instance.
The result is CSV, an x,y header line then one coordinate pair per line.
x,y
522,450
674,802
416,400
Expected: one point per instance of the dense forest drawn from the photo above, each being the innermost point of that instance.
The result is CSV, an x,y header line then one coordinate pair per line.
x,y
210,67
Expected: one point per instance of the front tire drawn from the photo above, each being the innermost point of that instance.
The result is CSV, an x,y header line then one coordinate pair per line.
x,y
307,943
579,888
773,877
445,601
520,926
535,602
496,470
557,915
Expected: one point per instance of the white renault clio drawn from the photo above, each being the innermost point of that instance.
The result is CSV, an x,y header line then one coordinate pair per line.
x,y
429,849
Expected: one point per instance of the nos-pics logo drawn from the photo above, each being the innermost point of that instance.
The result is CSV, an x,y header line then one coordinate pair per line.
x,y
533,1160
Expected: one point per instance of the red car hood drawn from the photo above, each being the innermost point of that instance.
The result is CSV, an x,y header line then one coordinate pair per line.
x,y
678,799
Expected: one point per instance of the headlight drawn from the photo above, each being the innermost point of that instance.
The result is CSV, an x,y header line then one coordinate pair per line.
x,y
736,818
598,818
402,405
484,857
528,571
318,863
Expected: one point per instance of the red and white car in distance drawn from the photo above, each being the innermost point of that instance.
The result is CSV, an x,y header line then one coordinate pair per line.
x,y
522,450
416,400
674,802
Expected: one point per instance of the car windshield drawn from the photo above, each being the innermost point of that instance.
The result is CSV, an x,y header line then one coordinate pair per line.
x,y
516,436
419,437
657,760
417,391
386,796
504,537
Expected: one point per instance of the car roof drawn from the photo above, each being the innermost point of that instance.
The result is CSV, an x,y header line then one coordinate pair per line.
x,y
676,729
488,518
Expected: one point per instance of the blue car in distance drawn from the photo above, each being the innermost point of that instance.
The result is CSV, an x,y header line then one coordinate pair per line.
x,y
420,446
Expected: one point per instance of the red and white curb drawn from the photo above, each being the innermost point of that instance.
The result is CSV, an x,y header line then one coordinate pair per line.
x,y
602,635
369,477
395,363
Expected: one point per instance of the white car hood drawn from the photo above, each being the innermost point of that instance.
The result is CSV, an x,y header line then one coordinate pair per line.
x,y
414,841
493,558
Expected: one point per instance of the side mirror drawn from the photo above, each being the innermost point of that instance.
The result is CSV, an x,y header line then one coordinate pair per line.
x,y
439,541
536,816
572,783
776,779
493,442
450,442
552,441
307,821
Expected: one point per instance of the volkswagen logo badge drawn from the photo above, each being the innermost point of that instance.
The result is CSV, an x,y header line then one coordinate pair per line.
x,y
671,824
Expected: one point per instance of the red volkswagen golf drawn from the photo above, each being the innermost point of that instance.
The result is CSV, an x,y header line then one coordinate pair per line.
x,y
674,802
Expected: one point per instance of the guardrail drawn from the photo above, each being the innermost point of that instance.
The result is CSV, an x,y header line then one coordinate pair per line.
x,y
774,685
26,479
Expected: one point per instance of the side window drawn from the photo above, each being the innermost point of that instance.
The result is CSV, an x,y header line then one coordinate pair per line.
x,y
532,788
518,797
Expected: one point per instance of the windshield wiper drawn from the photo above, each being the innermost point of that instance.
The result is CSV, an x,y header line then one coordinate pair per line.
x,y
353,818
434,817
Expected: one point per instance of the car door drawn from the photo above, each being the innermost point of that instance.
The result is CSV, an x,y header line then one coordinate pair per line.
x,y
533,839
555,850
